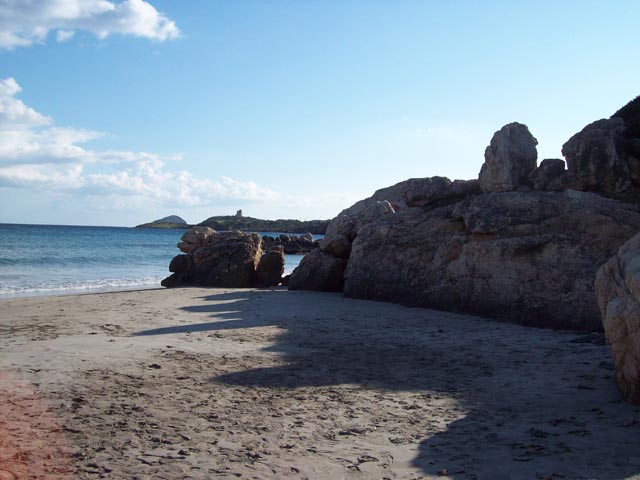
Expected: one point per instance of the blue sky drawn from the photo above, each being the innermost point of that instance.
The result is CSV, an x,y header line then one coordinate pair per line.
x,y
116,112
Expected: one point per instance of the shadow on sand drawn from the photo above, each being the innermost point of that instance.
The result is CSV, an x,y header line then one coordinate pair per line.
x,y
532,403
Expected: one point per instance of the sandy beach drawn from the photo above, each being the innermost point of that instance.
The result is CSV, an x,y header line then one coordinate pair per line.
x,y
220,383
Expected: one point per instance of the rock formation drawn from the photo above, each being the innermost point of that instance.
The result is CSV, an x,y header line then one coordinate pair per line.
x,y
509,159
324,269
517,244
224,259
292,244
618,292
527,257
549,176
605,155
270,267
420,192
596,157
318,271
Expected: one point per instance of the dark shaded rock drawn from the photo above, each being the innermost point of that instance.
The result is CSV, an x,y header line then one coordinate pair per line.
x,y
224,259
597,157
181,263
630,114
319,271
525,257
292,244
618,293
509,159
420,192
251,224
549,175
270,267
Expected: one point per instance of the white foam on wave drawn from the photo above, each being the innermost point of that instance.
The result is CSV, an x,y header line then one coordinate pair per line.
x,y
85,286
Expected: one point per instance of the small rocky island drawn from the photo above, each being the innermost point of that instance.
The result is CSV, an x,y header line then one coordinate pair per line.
x,y
171,221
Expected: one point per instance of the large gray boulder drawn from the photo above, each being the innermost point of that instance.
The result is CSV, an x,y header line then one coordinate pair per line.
x,y
270,267
605,155
550,175
509,159
215,259
597,158
319,271
343,229
526,257
618,293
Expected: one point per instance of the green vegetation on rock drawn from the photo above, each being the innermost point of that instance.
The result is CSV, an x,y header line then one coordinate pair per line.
x,y
234,222
164,225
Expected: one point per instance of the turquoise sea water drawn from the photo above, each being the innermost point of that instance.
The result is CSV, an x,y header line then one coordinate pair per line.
x,y
52,259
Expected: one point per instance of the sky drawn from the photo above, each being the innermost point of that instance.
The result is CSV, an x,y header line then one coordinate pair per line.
x,y
119,112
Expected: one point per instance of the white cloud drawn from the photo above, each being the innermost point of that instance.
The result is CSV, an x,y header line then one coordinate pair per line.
x,y
24,22
14,113
37,155
64,35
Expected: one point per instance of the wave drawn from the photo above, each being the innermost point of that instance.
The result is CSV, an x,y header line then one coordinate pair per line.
x,y
85,286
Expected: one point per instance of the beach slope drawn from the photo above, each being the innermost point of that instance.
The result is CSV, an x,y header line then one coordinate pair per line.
x,y
222,383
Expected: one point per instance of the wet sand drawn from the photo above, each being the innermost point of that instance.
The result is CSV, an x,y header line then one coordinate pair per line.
x,y
220,383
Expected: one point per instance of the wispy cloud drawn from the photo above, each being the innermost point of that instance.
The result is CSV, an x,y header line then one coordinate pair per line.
x,y
36,154
25,22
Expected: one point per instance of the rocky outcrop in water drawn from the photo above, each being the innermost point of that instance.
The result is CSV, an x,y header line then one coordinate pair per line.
x,y
172,221
517,244
618,292
224,259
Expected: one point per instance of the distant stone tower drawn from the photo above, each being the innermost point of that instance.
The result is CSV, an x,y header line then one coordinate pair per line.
x,y
239,213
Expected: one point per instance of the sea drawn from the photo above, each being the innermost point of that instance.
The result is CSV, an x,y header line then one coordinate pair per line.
x,y
58,259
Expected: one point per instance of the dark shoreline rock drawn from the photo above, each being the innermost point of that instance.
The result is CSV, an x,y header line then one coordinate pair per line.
x,y
224,259
291,244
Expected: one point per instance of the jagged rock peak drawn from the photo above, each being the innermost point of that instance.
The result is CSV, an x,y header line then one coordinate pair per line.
x,y
509,159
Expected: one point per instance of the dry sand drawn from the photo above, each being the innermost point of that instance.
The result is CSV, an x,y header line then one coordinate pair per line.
x,y
205,383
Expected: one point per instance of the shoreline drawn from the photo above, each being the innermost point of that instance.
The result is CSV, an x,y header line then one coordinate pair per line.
x,y
51,294
224,383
